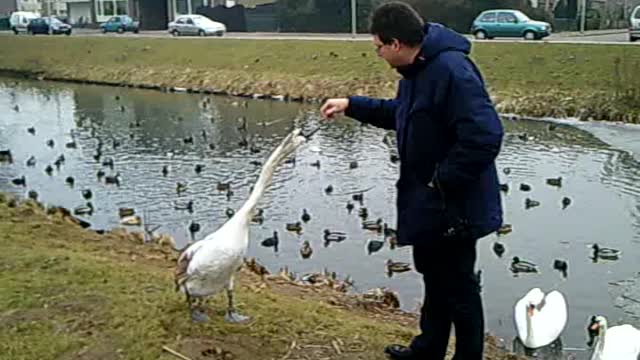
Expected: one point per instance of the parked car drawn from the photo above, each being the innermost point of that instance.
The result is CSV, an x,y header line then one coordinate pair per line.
x,y
41,26
634,24
19,21
508,23
120,24
196,25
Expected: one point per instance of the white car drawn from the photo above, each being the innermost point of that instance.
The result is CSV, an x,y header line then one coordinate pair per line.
x,y
634,24
196,25
20,19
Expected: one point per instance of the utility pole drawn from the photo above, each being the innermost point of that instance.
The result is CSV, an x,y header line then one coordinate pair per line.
x,y
49,12
354,28
583,16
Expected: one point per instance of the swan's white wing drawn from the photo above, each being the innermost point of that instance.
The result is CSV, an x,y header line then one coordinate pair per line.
x,y
551,320
621,343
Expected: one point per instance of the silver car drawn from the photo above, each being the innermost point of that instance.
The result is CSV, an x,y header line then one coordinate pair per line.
x,y
196,25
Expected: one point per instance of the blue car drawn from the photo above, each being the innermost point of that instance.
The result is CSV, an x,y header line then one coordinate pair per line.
x,y
120,24
42,25
508,23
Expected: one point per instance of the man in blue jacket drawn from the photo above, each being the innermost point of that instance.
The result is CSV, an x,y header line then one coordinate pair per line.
x,y
448,137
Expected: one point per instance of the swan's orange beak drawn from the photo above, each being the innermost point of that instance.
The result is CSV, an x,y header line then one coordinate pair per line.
x,y
530,309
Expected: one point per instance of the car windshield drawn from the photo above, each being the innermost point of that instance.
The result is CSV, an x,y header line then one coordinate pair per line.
x,y
55,21
521,17
637,13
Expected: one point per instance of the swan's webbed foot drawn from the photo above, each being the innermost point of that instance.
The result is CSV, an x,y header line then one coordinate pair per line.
x,y
236,318
199,316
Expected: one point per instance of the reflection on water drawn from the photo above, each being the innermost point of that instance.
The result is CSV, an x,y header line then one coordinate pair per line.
x,y
144,132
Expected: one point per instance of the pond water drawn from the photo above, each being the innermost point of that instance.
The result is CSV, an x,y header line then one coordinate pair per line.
x,y
150,129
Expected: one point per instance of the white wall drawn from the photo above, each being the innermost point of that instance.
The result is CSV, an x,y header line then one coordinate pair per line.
x,y
76,10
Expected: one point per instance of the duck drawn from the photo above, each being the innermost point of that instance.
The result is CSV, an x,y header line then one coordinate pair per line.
x,y
50,143
562,266
506,170
621,342
530,203
70,181
100,174
134,220
306,250
374,246
504,188
31,130
71,145
108,162
605,253
198,169
229,212
353,165
229,194
396,267
316,164
295,227
186,206
33,195
525,187
373,225
165,170
21,181
223,186
350,207
504,229
363,213
124,212
328,190
48,170
272,241
498,249
181,187
336,236
194,227
305,216
390,235
258,217
188,140
540,319
87,194
115,179
555,181
31,161
358,197
84,210
207,267
518,266
565,202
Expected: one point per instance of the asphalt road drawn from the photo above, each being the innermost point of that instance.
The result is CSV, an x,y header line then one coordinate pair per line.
x,y
595,37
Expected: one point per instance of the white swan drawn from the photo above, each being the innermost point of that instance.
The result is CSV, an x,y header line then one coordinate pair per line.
x,y
540,319
207,266
620,342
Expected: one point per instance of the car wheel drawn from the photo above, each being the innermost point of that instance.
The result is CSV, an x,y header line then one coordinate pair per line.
x,y
201,32
136,31
632,39
175,33
120,30
68,33
480,35
15,31
529,35
104,30
220,34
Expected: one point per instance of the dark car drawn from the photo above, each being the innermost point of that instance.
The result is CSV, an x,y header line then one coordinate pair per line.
x,y
120,24
42,25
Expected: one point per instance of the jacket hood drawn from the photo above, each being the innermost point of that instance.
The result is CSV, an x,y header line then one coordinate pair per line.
x,y
437,39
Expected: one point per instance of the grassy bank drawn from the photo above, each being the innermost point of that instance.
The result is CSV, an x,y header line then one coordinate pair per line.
x,y
588,81
72,294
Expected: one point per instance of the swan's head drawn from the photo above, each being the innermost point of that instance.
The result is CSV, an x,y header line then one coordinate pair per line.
x,y
534,300
597,326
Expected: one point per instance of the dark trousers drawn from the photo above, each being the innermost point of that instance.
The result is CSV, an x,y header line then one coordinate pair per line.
x,y
452,295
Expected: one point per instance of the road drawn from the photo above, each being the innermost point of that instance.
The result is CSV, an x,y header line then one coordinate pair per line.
x,y
593,37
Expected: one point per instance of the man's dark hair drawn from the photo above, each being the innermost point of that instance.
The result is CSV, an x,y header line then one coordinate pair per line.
x,y
397,20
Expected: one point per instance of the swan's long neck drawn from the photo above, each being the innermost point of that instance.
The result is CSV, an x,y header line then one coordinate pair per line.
x,y
287,146
600,342
529,328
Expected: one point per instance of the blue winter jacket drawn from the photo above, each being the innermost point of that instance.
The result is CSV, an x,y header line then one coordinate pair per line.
x,y
448,137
